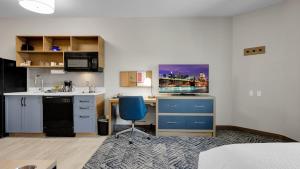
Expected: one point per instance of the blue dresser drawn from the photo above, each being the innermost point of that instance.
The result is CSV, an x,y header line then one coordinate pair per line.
x,y
185,116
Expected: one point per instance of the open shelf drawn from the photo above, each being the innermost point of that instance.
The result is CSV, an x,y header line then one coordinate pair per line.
x,y
85,43
39,51
42,55
63,42
40,59
35,41
52,67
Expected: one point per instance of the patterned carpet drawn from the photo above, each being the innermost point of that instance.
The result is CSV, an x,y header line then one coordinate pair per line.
x,y
163,152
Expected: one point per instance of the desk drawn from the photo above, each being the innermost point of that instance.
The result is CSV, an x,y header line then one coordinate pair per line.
x,y
115,101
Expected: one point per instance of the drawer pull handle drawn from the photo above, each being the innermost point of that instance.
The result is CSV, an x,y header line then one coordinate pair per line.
x,y
170,122
199,122
200,107
84,101
84,117
83,108
172,106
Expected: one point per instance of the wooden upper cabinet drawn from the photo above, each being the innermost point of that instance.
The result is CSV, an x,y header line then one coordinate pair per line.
x,y
37,50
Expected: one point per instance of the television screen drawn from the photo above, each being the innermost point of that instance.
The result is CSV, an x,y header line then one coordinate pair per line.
x,y
184,78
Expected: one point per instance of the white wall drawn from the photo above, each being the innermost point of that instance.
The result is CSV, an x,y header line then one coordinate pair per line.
x,y
277,73
142,44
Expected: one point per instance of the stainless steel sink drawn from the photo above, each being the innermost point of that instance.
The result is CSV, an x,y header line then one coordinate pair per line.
x,y
50,91
27,167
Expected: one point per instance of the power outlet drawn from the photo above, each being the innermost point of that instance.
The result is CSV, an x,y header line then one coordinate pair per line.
x,y
251,93
258,93
255,51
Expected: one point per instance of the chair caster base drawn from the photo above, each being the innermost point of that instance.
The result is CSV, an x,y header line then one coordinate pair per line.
x,y
117,137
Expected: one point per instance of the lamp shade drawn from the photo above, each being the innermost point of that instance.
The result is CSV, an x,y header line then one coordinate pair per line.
x,y
39,6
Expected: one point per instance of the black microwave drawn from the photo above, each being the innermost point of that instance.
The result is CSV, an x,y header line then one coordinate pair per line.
x,y
82,62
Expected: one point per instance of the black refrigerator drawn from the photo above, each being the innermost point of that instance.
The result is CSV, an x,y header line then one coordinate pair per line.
x,y
13,79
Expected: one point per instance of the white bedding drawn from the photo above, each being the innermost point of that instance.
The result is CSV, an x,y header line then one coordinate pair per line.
x,y
252,156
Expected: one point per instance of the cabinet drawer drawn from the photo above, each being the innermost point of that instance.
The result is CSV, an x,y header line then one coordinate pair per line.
x,y
199,122
185,106
84,123
186,122
171,122
85,100
85,110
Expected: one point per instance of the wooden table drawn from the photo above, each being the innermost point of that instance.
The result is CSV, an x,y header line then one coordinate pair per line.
x,y
115,101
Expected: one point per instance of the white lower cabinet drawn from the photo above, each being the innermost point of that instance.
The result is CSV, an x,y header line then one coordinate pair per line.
x,y
85,114
24,114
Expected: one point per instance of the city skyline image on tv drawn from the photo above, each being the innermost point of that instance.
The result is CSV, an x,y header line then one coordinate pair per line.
x,y
187,78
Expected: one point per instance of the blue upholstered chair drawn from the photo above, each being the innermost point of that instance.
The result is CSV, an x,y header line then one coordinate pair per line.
x,y
132,108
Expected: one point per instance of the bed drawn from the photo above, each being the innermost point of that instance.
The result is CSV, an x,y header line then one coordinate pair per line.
x,y
252,156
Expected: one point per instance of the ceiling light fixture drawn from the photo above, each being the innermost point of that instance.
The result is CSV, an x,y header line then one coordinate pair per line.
x,y
39,6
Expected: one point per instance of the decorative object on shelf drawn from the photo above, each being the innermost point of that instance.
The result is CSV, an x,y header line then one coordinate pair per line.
x,y
52,64
39,6
26,63
55,48
27,47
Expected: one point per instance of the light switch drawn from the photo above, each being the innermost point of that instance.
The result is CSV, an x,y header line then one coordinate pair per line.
x,y
258,93
251,93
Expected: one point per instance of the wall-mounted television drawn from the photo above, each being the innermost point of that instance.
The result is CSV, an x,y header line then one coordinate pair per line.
x,y
184,78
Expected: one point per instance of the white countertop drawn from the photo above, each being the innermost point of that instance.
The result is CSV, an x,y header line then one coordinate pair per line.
x,y
77,92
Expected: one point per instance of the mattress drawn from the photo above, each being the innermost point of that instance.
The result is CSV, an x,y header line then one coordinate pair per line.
x,y
252,156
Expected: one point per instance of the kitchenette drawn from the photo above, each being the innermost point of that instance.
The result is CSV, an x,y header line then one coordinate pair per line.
x,y
62,94
54,114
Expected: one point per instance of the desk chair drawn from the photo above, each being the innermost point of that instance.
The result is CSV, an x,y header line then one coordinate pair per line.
x,y
132,108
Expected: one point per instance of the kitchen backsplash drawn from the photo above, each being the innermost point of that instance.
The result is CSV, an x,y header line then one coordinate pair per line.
x,y
79,79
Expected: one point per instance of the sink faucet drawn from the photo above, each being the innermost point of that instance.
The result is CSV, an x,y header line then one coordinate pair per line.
x,y
91,87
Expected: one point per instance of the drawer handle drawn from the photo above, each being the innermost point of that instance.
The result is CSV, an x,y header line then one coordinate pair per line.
x,y
170,122
199,107
84,108
172,106
199,122
84,117
84,101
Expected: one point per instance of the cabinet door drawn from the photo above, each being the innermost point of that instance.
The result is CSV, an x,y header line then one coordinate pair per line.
x,y
32,115
13,114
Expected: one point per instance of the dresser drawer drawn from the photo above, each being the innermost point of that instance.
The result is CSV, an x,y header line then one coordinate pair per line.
x,y
185,106
171,122
186,122
199,122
